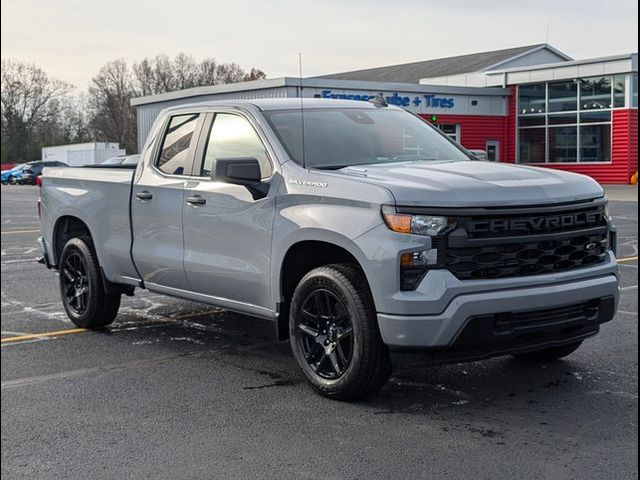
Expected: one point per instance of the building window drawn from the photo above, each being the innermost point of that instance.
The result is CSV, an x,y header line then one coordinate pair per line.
x,y
563,145
532,99
533,121
619,91
568,121
532,145
451,130
563,119
595,143
634,90
595,93
563,96
595,117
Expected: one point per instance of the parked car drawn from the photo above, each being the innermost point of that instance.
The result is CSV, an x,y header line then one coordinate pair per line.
x,y
364,233
13,175
479,154
122,160
33,170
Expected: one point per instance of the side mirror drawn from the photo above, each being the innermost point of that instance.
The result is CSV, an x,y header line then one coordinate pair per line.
x,y
238,170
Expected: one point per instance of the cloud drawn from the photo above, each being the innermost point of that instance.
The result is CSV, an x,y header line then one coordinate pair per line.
x,y
71,39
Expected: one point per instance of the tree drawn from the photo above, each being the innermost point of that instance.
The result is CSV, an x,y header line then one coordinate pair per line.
x,y
113,118
254,74
71,125
30,102
162,74
39,111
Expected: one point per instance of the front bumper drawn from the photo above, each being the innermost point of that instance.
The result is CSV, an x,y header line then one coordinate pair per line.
x,y
442,330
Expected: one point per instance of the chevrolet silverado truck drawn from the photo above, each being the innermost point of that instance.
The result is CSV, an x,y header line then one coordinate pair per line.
x,y
357,228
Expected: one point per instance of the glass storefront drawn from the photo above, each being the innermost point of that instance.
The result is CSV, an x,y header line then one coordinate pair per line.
x,y
619,88
533,99
532,145
569,121
563,144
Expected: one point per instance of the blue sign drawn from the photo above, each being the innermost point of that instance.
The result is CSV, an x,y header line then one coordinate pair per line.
x,y
430,101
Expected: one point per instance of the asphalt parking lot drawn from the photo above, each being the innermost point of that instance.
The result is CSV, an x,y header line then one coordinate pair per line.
x,y
179,390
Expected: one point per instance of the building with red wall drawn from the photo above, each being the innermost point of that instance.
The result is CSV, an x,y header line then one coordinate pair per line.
x,y
530,105
574,115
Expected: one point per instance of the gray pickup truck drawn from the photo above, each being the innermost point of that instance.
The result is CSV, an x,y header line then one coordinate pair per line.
x,y
357,228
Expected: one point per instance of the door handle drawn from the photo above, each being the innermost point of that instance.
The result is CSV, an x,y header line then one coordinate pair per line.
x,y
144,195
196,200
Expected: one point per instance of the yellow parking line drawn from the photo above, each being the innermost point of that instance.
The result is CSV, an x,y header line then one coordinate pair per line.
x,y
35,336
13,232
628,259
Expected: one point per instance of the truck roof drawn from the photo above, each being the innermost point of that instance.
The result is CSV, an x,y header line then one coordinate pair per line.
x,y
266,104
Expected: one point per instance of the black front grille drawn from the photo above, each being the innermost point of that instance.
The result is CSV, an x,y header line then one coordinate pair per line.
x,y
512,330
505,322
535,223
527,258
507,332
504,242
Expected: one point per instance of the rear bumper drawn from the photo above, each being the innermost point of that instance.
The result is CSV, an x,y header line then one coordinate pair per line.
x,y
45,259
442,331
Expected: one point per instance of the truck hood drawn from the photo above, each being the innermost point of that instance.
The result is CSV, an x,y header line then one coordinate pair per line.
x,y
474,183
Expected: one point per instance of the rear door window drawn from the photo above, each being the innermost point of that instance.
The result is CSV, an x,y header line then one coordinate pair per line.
x,y
176,150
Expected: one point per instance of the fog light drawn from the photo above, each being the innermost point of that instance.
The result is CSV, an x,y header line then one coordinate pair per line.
x,y
414,266
419,259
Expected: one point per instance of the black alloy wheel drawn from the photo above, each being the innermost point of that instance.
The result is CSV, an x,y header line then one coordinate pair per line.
x,y
327,334
75,283
334,333
82,289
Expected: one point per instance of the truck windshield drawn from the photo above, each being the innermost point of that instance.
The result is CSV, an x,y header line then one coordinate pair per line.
x,y
341,137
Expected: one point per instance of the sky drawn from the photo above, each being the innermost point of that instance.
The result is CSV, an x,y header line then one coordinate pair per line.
x,y
71,39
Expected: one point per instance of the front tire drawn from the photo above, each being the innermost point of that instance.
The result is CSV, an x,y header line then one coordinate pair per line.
x,y
549,354
81,286
334,333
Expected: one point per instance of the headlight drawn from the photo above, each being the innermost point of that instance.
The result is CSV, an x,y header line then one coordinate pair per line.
x,y
429,225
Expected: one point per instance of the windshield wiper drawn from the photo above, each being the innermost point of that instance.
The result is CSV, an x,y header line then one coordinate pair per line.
x,y
332,167
338,167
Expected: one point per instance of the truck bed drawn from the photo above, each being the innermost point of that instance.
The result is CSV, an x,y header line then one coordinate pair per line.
x,y
100,198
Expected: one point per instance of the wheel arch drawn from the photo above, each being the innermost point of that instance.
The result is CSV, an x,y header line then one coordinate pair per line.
x,y
300,258
66,228
70,226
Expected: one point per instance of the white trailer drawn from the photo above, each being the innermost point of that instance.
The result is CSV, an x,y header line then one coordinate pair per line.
x,y
91,153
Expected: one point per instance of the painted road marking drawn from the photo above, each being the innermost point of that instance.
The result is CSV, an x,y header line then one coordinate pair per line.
x,y
159,322
628,259
19,382
14,232
34,336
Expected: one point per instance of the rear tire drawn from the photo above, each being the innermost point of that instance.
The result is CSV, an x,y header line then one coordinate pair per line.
x,y
549,354
334,333
81,286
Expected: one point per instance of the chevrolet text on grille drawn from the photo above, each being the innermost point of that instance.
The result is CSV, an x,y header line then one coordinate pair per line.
x,y
538,223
